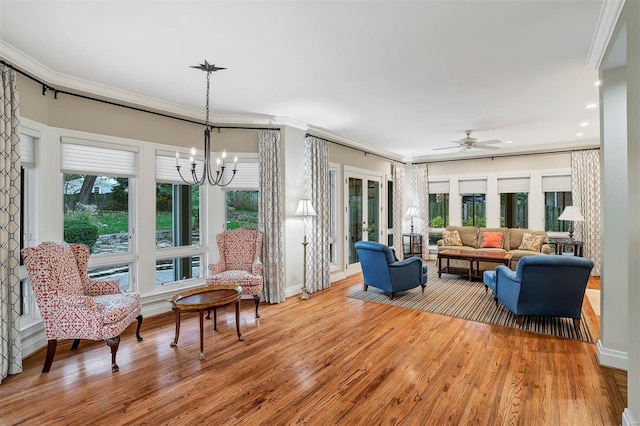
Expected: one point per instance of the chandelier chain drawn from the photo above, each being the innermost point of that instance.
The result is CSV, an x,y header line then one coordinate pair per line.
x,y
208,84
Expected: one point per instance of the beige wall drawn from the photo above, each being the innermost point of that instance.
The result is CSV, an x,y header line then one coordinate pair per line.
x,y
355,158
502,164
70,112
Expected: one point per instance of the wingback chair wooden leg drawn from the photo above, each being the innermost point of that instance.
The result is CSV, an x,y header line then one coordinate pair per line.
x,y
139,318
76,343
114,343
256,297
51,351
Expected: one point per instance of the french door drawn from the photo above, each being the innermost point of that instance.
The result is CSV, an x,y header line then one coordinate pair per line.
x,y
363,193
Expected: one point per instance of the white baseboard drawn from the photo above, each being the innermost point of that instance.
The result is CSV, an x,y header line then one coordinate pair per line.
x,y
612,358
627,418
32,340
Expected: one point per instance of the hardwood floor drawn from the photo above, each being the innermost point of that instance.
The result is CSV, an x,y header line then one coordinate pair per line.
x,y
327,360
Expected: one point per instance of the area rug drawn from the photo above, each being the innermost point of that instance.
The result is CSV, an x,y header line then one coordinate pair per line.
x,y
458,297
593,296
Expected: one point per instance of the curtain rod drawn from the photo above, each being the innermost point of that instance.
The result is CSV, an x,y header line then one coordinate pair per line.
x,y
354,148
493,157
46,87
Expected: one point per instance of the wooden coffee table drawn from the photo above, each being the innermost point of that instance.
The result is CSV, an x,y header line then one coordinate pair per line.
x,y
471,256
205,299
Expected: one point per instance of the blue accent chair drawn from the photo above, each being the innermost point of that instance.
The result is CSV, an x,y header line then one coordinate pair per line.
x,y
381,270
550,286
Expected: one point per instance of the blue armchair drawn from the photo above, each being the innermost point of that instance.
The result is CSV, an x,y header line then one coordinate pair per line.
x,y
381,270
551,286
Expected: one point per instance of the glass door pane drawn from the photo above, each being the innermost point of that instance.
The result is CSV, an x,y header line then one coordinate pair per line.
x,y
373,210
355,217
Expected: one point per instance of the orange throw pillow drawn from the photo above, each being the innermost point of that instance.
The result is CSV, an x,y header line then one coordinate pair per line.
x,y
492,239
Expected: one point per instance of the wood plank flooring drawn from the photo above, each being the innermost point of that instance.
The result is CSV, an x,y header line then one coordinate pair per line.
x,y
328,360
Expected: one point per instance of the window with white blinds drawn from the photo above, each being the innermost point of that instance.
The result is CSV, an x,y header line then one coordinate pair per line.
x,y
439,187
513,185
27,150
96,159
166,171
557,183
247,175
473,186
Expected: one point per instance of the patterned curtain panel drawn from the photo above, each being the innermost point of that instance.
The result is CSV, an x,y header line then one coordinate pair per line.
x,y
10,343
399,207
270,215
421,194
317,186
585,178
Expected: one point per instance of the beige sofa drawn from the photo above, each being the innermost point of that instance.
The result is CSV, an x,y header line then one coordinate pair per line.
x,y
471,238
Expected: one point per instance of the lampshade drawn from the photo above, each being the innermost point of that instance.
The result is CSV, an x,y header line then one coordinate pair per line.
x,y
305,208
571,213
412,212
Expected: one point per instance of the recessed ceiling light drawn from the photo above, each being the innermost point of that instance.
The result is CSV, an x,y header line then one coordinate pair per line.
x,y
598,83
591,106
579,134
584,124
508,141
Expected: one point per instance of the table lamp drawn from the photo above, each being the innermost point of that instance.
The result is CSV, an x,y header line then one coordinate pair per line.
x,y
412,212
572,214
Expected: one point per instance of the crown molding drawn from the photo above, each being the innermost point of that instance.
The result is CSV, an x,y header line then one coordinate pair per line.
x,y
609,14
331,136
290,122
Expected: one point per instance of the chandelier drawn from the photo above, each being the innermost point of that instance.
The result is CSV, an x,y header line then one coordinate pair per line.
x,y
207,174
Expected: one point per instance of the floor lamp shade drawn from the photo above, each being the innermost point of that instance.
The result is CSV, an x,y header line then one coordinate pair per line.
x,y
305,208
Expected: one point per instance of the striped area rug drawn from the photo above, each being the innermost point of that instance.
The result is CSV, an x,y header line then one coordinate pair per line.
x,y
458,297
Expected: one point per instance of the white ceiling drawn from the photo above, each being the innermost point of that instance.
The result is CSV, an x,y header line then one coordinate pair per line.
x,y
399,77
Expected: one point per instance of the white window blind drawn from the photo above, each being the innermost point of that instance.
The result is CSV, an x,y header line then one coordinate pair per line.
x,y
166,171
473,186
558,183
247,176
27,150
441,187
513,185
97,160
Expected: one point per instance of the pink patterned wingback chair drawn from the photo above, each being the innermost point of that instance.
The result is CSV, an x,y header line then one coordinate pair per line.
x,y
239,262
72,305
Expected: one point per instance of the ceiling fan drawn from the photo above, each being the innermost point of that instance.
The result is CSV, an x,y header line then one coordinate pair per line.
x,y
470,143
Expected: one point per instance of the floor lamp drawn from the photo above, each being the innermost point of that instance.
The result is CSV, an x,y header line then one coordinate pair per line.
x,y
305,209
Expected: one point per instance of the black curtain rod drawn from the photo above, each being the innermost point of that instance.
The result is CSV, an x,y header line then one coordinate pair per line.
x,y
510,155
46,87
354,148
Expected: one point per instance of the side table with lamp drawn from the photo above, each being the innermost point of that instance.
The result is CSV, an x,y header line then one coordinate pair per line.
x,y
572,214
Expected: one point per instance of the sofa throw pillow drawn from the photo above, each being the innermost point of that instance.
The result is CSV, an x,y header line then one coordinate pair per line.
x,y
492,239
451,238
531,242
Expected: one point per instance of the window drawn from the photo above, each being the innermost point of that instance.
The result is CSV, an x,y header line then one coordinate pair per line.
x,y
98,192
474,211
333,199
27,209
242,209
438,216
96,212
179,249
177,215
177,269
554,204
514,209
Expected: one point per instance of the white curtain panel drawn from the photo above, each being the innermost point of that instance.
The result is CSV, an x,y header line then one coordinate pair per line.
x,y
10,343
270,214
585,181
317,187
398,207
421,194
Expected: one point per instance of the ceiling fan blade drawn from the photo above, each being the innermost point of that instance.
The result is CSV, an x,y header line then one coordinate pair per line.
x,y
444,147
490,142
485,146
